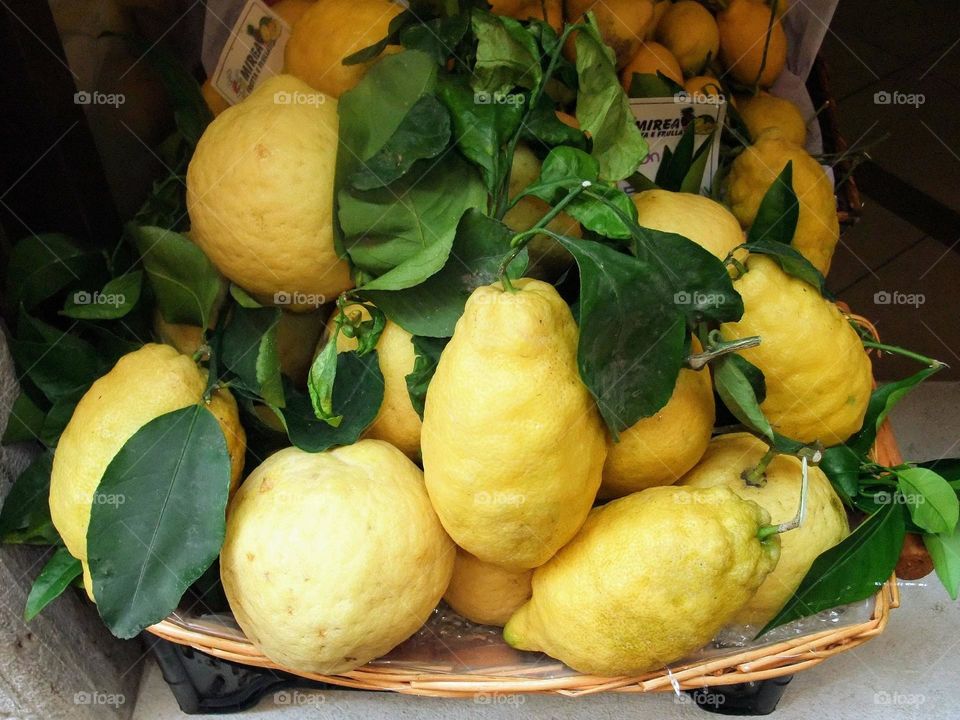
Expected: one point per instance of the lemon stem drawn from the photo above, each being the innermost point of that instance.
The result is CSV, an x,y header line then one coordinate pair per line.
x,y
697,361
894,350
757,476
767,530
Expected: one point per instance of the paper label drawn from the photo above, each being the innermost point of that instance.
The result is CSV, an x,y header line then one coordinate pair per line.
x,y
663,120
253,52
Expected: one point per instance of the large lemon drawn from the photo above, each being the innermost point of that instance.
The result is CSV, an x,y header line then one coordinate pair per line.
x,y
743,29
698,218
331,559
143,385
397,422
330,31
764,111
825,524
817,373
689,31
513,445
260,195
550,11
485,593
659,449
755,170
622,23
650,578
651,58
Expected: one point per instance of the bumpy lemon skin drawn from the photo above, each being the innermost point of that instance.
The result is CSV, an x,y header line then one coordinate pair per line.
x,y
485,593
649,578
332,559
513,445
143,385
825,524
708,223
260,195
818,375
659,449
688,30
755,170
763,112
330,31
743,27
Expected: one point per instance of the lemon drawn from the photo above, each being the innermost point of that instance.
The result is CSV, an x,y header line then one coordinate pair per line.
x,y
706,85
650,578
818,376
660,8
743,27
331,559
330,31
622,23
765,111
549,10
397,422
260,194
825,524
290,11
485,593
513,445
753,172
651,58
143,385
698,218
659,449
689,31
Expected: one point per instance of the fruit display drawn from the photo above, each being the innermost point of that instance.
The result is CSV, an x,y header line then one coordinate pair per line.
x,y
392,342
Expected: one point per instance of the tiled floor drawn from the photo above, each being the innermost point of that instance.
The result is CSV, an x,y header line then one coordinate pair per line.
x,y
913,48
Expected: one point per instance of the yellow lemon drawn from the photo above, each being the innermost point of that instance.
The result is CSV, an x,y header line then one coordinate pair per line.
x,y
513,445
143,385
623,24
290,11
215,101
818,376
650,59
260,195
549,10
650,578
696,217
330,31
753,172
743,29
689,31
485,593
825,524
331,559
660,8
765,111
703,85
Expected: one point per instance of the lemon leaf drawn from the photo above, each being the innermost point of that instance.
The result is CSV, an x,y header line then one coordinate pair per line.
x,y
60,570
25,516
932,503
117,299
507,55
776,219
427,355
944,549
249,350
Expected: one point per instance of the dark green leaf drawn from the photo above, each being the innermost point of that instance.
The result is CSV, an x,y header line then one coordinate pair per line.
x,y
882,401
423,133
58,363
249,350
24,422
394,30
776,219
932,503
115,300
650,85
735,380
186,283
61,570
693,179
790,260
432,308
357,395
841,465
542,124
42,265
25,516
320,384
944,549
850,571
676,163
438,37
603,109
427,351
57,417
507,55
158,518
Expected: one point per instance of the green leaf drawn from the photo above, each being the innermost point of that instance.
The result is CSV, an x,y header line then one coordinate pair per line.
x,y
944,549
394,29
24,422
603,109
357,395
947,468
735,381
57,417
243,298
158,518
249,350
186,283
423,133
632,338
543,126
25,516
438,37
507,55
790,260
850,571
776,219
841,465
650,85
676,163
693,178
42,265
427,352
116,300
365,332
320,384
432,308
58,363
932,503
61,570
